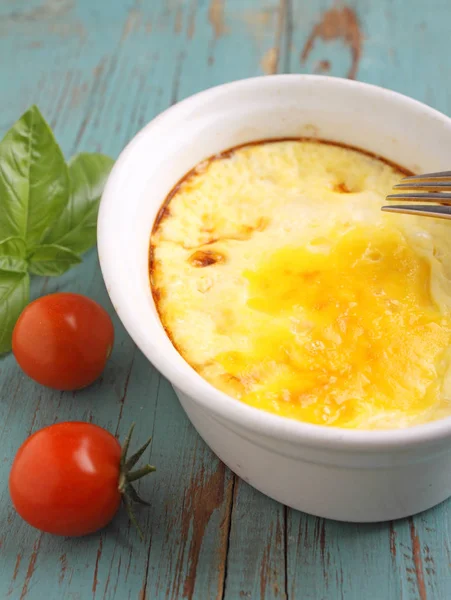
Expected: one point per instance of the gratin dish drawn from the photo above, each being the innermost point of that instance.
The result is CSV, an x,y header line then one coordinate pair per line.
x,y
349,475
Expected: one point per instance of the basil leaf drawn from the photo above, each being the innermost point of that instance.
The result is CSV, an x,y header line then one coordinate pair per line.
x,y
52,260
13,246
34,182
76,227
14,296
13,264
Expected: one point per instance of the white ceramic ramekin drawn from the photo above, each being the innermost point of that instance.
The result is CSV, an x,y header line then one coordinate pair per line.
x,y
330,472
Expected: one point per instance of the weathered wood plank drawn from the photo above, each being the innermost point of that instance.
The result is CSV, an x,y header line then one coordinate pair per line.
x,y
256,551
386,44
99,73
112,82
327,559
256,566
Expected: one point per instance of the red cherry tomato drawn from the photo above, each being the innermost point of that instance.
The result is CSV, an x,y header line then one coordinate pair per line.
x,y
69,478
63,340
65,479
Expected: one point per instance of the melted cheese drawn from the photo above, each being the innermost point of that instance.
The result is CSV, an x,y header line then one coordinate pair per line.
x,y
282,283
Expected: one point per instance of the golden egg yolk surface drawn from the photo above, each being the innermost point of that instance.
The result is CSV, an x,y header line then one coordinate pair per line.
x,y
280,281
354,331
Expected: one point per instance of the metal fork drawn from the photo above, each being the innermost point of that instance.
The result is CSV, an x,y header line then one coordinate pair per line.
x,y
432,191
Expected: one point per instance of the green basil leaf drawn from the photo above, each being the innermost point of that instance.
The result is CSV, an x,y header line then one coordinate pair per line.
x,y
13,246
52,260
13,264
34,182
14,296
76,227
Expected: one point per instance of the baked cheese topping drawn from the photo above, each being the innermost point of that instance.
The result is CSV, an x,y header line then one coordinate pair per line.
x,y
282,283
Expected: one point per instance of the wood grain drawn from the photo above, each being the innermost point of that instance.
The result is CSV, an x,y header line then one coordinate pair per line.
x,y
99,72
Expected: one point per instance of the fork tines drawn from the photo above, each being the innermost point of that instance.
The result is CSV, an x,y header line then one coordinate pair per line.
x,y
441,176
422,210
432,190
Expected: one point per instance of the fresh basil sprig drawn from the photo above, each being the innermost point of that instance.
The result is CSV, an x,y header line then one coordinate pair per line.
x,y
48,211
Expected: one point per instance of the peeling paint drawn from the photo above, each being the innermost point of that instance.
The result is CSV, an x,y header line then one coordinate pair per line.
x,y
95,579
132,23
417,560
264,564
270,61
33,45
216,17
338,23
392,540
323,66
31,567
48,10
16,566
78,93
178,21
191,24
202,499
63,561
204,495
258,21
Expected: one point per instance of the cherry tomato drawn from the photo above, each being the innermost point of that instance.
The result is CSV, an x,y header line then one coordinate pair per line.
x,y
68,479
63,340
64,479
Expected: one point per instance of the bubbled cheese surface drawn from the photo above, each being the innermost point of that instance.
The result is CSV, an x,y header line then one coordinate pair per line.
x,y
282,283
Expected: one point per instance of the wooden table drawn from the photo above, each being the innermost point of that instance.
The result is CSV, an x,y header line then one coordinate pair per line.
x,y
99,71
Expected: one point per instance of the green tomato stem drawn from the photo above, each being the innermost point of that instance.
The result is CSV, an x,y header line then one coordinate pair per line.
x,y
142,472
131,462
126,477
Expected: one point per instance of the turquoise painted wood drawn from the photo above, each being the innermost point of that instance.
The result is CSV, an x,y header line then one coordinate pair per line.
x,y
99,71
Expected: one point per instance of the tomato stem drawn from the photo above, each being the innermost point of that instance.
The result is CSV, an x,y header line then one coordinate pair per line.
x,y
142,472
126,445
136,497
122,483
127,476
131,462
131,516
